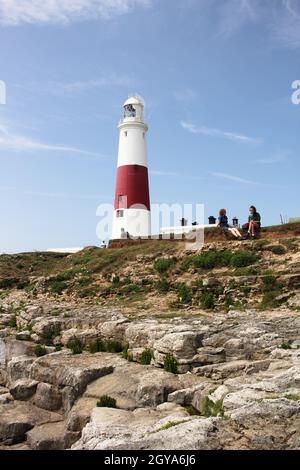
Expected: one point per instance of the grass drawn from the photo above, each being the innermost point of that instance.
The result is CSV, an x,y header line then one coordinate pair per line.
x,y
211,409
184,294
13,321
163,286
97,346
207,301
146,357
75,345
170,424
170,364
40,350
218,259
162,265
48,336
105,401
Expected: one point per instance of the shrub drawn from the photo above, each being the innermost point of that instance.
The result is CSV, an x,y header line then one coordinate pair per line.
x,y
7,283
241,259
285,346
207,301
162,265
113,346
13,321
57,287
40,350
97,346
269,300
66,275
212,259
247,271
170,364
184,294
228,301
106,401
278,250
146,357
75,345
47,336
162,286
58,347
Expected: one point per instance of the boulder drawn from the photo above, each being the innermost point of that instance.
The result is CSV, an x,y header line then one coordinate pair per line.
x,y
48,397
50,436
23,389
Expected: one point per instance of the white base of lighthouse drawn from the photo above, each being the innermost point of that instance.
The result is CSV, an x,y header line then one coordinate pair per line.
x,y
135,222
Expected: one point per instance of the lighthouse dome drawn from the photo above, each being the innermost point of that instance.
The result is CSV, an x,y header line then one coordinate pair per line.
x,y
134,109
134,100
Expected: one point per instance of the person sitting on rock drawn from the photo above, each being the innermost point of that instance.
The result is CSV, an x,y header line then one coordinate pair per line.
x,y
223,224
254,223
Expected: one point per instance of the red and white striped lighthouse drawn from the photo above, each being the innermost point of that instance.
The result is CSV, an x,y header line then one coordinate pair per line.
x,y
132,200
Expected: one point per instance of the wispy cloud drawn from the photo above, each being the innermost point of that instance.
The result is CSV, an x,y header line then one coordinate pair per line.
x,y
102,82
9,140
15,12
286,24
212,132
163,173
276,158
237,179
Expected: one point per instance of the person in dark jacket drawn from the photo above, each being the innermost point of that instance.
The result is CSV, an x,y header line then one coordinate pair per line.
x,y
254,223
224,225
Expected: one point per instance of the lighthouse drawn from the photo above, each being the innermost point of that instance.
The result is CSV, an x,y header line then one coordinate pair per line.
x,y
132,201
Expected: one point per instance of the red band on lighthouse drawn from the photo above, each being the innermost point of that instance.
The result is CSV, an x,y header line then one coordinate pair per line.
x,y
132,187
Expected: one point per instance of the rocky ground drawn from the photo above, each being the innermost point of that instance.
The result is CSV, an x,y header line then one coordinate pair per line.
x,y
211,365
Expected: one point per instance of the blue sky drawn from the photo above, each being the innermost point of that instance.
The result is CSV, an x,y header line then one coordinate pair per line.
x,y
216,77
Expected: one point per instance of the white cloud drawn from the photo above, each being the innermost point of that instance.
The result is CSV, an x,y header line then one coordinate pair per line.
x,y
212,132
15,12
237,179
102,82
286,25
276,158
9,140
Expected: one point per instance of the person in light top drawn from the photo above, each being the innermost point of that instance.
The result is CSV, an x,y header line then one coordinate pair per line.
x,y
224,225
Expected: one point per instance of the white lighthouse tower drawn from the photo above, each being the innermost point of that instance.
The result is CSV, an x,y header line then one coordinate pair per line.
x,y
132,200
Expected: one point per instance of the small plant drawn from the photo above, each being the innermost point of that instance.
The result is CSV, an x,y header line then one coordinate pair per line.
x,y
75,345
13,321
146,357
170,364
58,347
163,286
184,294
292,396
105,401
278,249
169,424
285,346
48,336
126,354
228,301
207,301
97,346
57,287
211,409
113,346
162,265
40,350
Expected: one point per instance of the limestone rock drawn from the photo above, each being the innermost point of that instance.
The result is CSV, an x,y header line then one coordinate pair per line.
x,y
48,397
23,388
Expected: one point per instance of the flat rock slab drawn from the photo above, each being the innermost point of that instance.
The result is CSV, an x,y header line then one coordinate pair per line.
x,y
18,418
50,436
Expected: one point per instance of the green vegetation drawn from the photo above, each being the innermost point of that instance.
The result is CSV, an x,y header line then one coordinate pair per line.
x,y
105,401
97,346
207,301
169,424
57,287
218,259
211,409
13,321
184,294
248,271
75,345
48,336
291,396
285,346
126,354
278,249
163,286
170,364
146,357
40,350
8,283
113,346
271,290
162,265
